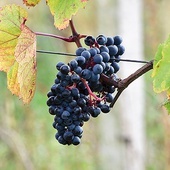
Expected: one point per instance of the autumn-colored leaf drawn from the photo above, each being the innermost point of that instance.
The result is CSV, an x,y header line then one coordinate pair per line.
x,y
11,17
17,52
63,10
12,79
25,54
31,2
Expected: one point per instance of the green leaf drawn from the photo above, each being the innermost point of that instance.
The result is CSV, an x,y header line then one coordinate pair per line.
x,y
31,2
161,71
157,59
63,10
17,52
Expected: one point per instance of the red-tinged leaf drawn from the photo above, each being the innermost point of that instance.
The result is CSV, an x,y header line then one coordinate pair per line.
x,y
27,80
26,46
63,10
25,54
31,2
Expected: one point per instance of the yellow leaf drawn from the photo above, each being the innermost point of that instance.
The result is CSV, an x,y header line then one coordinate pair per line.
x,y
27,80
25,54
12,79
11,17
26,46
17,52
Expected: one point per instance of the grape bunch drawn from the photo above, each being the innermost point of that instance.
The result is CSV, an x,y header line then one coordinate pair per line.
x,y
79,91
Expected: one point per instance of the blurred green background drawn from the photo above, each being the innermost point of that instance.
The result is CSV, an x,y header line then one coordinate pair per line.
x,y
26,134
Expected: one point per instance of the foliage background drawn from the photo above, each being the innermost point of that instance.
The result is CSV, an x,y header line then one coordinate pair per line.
x,y
26,134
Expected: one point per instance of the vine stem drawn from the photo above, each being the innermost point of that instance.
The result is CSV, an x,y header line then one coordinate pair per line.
x,y
123,84
75,37
55,36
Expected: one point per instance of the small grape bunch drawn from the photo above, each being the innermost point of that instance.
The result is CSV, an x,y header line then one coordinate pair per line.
x,y
79,92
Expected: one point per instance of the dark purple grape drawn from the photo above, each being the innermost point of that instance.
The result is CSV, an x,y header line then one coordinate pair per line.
x,y
97,69
75,78
109,97
65,69
117,40
101,40
78,130
110,41
78,70
104,49
81,60
89,40
76,140
73,64
105,108
65,115
106,56
113,50
121,49
98,59
116,67
93,51
59,65
86,74
68,136
86,54
79,51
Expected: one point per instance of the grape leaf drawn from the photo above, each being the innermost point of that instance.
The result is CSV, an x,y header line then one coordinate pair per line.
x,y
17,52
11,18
31,2
12,79
63,10
25,54
161,71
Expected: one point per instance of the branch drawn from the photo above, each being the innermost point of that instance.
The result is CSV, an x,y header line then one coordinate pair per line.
x,y
123,84
55,36
76,37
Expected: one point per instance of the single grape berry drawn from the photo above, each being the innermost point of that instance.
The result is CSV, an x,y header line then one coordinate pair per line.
x,y
97,69
110,41
89,40
65,69
117,40
101,40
